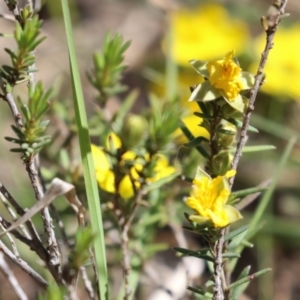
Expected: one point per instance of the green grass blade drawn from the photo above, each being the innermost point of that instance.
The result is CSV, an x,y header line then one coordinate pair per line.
x,y
274,128
87,160
268,194
254,224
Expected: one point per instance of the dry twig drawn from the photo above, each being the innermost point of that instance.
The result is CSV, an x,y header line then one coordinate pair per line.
x,y
7,272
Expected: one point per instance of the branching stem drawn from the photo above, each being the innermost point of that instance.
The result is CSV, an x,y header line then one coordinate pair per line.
x,y
270,24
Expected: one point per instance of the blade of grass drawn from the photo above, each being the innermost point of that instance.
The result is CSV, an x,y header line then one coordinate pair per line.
x,y
87,160
268,194
266,198
274,128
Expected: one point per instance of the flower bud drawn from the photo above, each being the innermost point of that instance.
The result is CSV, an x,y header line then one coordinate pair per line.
x,y
221,163
229,112
226,135
133,131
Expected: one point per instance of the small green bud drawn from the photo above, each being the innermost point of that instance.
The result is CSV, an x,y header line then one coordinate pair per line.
x,y
8,87
221,163
24,146
226,135
134,130
229,112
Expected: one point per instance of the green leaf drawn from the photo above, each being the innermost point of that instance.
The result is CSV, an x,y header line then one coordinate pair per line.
x,y
248,278
250,149
200,67
198,254
204,107
123,110
199,291
236,232
224,131
237,103
157,184
238,290
190,137
205,92
87,160
239,124
239,235
230,255
245,192
248,80
53,292
195,142
203,116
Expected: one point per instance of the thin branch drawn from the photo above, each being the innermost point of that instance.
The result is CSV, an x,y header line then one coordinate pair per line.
x,y
72,293
13,214
8,17
60,225
37,187
24,266
20,211
14,109
52,245
270,24
87,283
7,272
37,247
218,268
11,240
5,224
124,225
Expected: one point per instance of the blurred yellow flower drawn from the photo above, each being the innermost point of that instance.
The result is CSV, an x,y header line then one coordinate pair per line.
x,y
283,65
224,79
205,32
208,198
225,74
106,178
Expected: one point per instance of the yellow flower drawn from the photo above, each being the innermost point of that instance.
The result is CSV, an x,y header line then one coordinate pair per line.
x,y
226,75
161,169
224,79
208,198
200,32
283,66
106,178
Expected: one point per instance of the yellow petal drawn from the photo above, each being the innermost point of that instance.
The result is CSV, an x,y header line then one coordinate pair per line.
x,y
219,218
198,219
126,189
106,180
232,213
101,163
230,173
129,155
162,169
114,141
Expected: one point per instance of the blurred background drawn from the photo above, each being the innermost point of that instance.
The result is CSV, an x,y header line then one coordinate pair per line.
x,y
165,35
